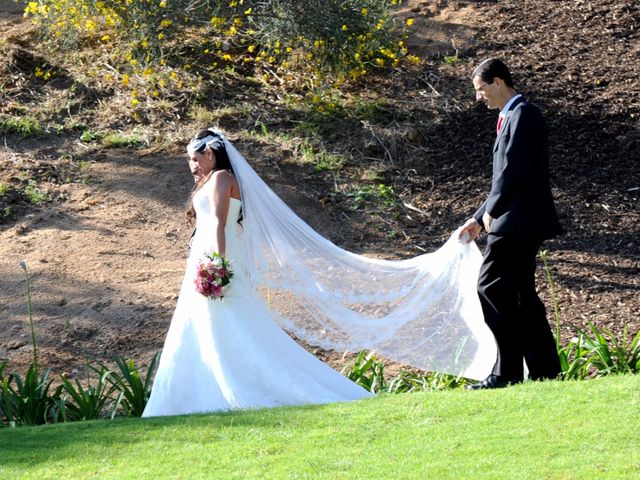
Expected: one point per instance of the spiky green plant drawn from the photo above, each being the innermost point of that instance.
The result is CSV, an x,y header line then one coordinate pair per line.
x,y
367,371
134,389
28,401
85,403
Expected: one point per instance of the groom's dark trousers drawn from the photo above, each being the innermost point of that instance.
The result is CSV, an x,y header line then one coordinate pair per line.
x,y
512,309
524,215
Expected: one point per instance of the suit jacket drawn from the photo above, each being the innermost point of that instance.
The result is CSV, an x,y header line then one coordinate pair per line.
x,y
520,200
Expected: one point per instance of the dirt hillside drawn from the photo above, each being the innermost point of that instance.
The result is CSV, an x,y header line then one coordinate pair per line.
x,y
106,252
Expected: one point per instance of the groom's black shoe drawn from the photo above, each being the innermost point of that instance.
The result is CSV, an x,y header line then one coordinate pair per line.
x,y
494,381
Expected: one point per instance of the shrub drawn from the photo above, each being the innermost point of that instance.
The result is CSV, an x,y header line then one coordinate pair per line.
x,y
28,401
26,126
134,389
345,37
367,371
35,195
85,403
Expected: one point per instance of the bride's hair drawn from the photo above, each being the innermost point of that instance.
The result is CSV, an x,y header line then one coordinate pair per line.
x,y
221,162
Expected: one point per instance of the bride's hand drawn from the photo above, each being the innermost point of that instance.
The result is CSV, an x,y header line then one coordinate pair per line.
x,y
470,230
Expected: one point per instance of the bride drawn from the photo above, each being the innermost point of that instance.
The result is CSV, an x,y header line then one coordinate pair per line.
x,y
232,353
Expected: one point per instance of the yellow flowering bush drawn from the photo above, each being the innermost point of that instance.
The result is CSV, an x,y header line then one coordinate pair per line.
x,y
158,50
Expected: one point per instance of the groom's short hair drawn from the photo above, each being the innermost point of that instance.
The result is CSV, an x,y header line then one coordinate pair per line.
x,y
492,68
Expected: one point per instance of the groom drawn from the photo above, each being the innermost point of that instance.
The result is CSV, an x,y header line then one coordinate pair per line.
x,y
518,215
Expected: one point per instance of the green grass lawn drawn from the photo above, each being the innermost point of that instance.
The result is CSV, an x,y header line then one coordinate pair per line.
x,y
555,430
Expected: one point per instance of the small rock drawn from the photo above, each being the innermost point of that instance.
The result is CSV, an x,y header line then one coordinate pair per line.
x,y
15,344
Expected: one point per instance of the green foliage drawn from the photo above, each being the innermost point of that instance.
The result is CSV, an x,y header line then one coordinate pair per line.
x,y
600,353
86,403
322,160
28,401
35,195
26,126
115,140
4,188
133,387
407,382
451,59
154,39
7,213
91,136
379,193
367,371
597,353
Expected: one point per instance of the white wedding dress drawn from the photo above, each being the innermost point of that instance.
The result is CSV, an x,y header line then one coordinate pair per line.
x,y
230,354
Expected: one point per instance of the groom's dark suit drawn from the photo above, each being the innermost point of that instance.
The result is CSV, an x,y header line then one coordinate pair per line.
x,y
524,215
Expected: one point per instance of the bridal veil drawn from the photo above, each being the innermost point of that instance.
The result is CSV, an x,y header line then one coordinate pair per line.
x,y
422,311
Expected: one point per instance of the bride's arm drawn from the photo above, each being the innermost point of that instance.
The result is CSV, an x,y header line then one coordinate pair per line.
x,y
222,183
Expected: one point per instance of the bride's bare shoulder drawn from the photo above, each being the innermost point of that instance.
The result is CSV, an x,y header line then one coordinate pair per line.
x,y
224,180
223,177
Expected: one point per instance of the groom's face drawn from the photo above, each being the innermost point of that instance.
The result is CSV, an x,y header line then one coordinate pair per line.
x,y
487,92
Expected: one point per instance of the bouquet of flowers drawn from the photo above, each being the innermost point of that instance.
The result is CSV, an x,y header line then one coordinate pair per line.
x,y
213,275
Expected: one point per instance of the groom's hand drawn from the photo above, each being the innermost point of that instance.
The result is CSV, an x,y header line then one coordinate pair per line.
x,y
470,230
487,219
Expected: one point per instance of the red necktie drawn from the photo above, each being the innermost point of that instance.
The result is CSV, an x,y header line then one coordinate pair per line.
x,y
500,119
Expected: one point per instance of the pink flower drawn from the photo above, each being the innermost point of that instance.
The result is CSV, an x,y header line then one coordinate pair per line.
x,y
212,275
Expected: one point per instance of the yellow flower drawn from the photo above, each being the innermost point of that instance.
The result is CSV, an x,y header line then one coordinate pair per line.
x,y
160,36
289,49
409,21
38,72
251,48
147,71
105,38
134,102
248,11
163,4
344,28
145,44
357,56
217,21
364,11
226,57
155,93
31,9
380,62
125,80
165,23
271,59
